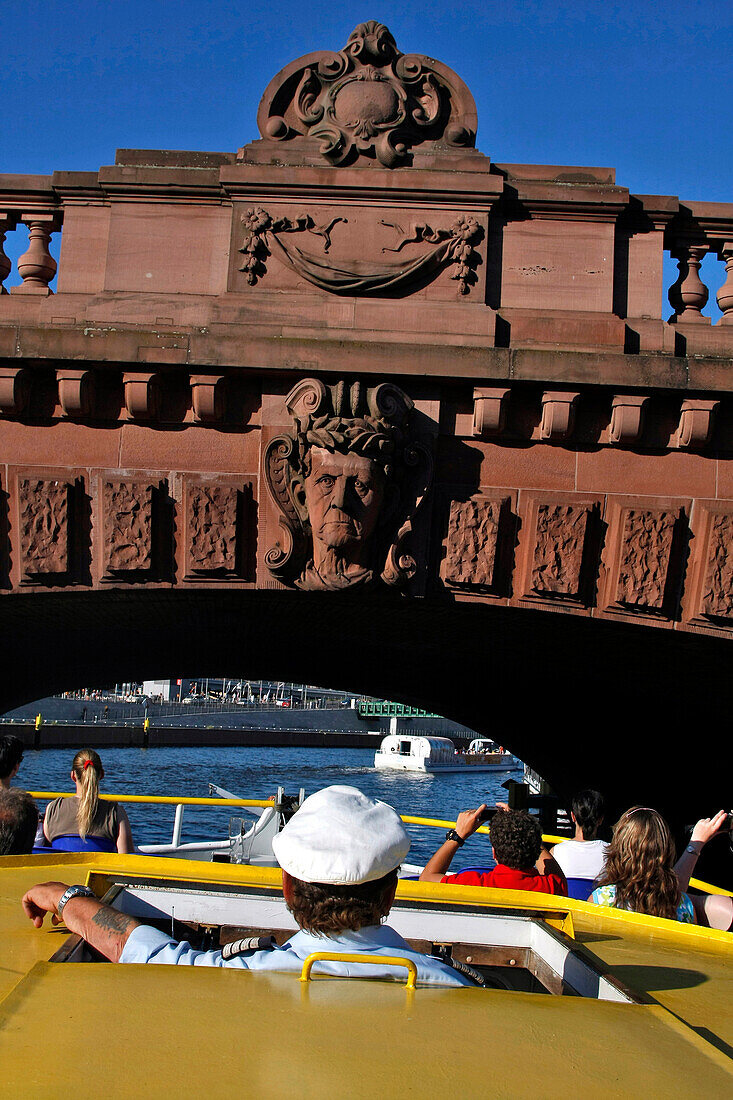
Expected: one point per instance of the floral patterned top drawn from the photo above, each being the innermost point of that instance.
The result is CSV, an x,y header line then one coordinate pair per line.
x,y
606,895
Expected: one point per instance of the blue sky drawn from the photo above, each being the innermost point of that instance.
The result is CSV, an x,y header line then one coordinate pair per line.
x,y
642,87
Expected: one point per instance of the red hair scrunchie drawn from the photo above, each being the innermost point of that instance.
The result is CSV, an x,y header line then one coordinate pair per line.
x,y
87,764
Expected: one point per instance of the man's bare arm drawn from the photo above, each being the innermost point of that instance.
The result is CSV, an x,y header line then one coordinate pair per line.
x,y
105,929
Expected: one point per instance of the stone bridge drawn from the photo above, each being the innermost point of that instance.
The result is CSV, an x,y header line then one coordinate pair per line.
x,y
358,406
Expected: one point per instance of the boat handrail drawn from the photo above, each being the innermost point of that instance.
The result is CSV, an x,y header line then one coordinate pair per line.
x,y
432,822
159,799
368,960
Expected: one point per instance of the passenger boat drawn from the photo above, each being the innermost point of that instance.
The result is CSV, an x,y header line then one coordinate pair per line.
x,y
417,753
597,1001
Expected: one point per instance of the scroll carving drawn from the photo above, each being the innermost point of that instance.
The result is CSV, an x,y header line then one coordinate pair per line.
x,y
44,526
265,235
717,598
696,423
645,558
128,526
558,554
369,101
347,481
212,528
473,533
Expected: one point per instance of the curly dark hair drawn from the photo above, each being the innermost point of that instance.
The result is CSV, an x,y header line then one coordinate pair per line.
x,y
326,910
11,753
516,839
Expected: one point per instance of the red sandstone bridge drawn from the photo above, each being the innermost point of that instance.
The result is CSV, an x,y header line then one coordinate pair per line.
x,y
526,457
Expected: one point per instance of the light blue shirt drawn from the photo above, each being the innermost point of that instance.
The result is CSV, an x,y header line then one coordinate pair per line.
x,y
148,945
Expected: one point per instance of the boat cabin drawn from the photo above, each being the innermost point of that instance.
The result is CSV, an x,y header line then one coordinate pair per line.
x,y
422,752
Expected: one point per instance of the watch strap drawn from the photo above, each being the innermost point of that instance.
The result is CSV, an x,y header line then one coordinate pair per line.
x,y
456,837
73,892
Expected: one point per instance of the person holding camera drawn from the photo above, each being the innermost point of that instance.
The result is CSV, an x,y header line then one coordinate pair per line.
x,y
522,861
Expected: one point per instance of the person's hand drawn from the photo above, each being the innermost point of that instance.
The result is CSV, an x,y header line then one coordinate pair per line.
x,y
502,806
43,899
469,821
707,827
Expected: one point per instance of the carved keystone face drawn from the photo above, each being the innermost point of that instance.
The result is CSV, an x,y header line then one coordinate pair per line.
x,y
344,494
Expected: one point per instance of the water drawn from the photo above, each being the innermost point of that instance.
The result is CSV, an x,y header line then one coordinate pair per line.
x,y
257,773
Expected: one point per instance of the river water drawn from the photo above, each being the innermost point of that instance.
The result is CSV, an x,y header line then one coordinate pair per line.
x,y
257,773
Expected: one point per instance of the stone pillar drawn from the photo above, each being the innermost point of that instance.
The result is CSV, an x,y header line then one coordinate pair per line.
x,y
7,222
37,266
689,295
725,294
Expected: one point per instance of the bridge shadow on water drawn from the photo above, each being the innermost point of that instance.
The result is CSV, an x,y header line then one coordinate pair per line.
x,y
639,712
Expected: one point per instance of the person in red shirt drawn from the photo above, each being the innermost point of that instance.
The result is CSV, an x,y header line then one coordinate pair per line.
x,y
522,862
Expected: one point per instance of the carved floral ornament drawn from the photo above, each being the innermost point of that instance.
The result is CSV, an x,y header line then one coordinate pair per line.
x,y
265,235
368,100
347,482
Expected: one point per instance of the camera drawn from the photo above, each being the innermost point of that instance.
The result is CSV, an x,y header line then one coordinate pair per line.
x,y
490,812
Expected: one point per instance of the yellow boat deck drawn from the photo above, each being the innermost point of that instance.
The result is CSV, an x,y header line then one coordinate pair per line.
x,y
123,1031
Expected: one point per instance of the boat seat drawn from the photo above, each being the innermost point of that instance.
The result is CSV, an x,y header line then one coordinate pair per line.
x,y
580,888
72,842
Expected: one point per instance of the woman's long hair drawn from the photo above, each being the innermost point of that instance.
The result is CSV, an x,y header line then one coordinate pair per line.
x,y
639,863
87,768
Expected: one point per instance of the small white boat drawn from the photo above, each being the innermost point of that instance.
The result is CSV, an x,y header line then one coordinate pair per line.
x,y
413,753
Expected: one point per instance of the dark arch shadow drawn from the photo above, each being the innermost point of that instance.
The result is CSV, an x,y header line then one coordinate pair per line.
x,y
639,712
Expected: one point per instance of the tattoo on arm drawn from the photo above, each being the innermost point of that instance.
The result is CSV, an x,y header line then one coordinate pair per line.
x,y
112,920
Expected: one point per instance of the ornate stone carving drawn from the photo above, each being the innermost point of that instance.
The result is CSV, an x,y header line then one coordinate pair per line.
x,y
142,394
717,593
696,423
212,528
128,526
15,390
627,418
471,552
44,526
558,553
265,235
368,101
645,557
347,481
76,391
558,414
489,410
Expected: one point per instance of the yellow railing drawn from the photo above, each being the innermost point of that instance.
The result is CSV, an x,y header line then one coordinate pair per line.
x,y
432,822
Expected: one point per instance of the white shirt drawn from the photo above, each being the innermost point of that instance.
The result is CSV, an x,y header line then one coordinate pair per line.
x,y
581,858
148,945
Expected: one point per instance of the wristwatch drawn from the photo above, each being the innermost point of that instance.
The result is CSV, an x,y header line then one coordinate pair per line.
x,y
73,892
453,835
692,850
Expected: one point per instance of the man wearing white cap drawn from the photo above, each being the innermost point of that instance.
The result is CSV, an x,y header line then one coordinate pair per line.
x,y
339,854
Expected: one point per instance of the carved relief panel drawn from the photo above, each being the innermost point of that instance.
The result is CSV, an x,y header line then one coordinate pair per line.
x,y
133,542
559,547
708,596
479,544
217,529
46,535
358,251
645,556
128,526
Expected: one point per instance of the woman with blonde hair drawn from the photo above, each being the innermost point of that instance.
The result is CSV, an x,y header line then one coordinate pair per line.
x,y
84,823
640,873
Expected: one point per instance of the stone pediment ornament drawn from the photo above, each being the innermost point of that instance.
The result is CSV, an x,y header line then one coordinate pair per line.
x,y
347,481
368,101
454,245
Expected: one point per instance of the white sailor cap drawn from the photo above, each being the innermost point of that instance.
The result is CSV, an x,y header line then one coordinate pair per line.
x,y
340,837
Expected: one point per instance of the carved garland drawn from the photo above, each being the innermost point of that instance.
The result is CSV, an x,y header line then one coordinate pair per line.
x,y
455,245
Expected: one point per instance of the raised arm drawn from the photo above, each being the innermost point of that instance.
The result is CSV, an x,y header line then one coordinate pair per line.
x,y
705,830
467,824
105,929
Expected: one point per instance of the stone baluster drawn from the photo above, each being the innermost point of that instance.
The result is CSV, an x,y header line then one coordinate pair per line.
x,y
7,222
725,294
689,295
37,266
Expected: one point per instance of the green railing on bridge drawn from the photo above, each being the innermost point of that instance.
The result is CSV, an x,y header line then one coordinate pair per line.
x,y
372,709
